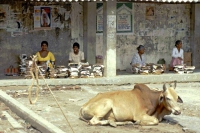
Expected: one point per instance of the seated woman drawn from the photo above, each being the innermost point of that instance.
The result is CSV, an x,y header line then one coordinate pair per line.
x,y
138,59
177,54
76,55
45,56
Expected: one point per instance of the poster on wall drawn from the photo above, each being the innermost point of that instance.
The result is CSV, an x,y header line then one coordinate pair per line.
x,y
124,17
42,17
67,16
99,25
61,16
14,23
56,16
150,13
4,14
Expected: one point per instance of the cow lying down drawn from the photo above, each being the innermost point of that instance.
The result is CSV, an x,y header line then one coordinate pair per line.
x,y
141,106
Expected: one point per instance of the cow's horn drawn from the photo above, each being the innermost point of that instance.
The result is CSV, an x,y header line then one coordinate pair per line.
x,y
164,87
175,84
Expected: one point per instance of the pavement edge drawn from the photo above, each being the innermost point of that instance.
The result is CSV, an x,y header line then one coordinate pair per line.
x,y
35,120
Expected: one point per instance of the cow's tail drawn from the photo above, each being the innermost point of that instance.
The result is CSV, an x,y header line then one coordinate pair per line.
x,y
81,116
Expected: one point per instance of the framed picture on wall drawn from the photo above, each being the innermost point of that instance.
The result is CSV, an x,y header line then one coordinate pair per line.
x,y
150,13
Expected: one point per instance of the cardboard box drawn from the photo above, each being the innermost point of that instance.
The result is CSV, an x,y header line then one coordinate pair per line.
x,y
189,63
99,61
187,56
170,68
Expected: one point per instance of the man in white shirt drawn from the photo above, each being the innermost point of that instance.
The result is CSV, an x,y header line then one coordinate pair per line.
x,y
177,54
76,55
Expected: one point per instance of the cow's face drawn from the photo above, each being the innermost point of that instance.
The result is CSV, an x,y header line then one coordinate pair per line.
x,y
170,98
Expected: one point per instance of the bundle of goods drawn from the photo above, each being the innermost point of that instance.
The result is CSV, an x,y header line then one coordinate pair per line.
x,y
180,69
148,69
30,66
27,69
48,70
97,70
136,69
189,69
84,70
74,70
27,66
60,71
43,70
23,64
145,69
157,69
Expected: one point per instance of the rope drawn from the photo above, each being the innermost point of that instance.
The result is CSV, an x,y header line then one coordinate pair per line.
x,y
34,77
30,89
36,74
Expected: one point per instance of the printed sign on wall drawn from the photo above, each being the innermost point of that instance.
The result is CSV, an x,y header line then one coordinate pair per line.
x,y
42,17
123,18
99,18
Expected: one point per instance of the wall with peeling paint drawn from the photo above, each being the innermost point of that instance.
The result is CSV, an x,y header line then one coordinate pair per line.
x,y
60,39
171,23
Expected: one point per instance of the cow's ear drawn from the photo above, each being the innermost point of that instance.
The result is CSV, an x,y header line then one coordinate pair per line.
x,y
164,88
179,100
161,98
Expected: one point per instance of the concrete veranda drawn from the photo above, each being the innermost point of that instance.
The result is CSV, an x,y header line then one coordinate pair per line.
x,y
122,77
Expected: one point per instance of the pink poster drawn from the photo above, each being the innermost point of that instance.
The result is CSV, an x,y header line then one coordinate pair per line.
x,y
42,17
45,17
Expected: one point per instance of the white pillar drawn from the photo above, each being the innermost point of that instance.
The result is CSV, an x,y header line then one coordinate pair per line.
x,y
109,38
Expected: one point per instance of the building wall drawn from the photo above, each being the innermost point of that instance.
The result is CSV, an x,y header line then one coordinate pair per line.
x,y
171,23
60,38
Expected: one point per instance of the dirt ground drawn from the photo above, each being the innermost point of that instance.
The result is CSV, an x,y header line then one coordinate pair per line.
x,y
72,98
